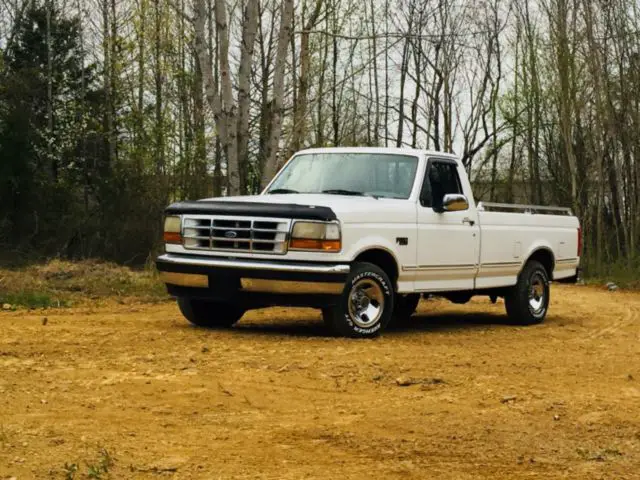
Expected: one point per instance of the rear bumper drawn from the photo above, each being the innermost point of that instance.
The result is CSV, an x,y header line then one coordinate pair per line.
x,y
574,278
192,275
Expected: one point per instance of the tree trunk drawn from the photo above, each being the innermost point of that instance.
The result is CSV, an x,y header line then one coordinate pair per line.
x,y
142,62
158,81
113,75
403,78
249,32
516,115
416,97
564,58
278,92
222,107
301,101
107,84
200,150
320,134
376,91
52,161
335,114
227,121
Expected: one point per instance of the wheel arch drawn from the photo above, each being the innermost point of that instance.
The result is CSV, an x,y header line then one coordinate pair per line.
x,y
383,258
545,256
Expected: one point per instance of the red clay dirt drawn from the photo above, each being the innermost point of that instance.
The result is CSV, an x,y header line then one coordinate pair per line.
x,y
458,394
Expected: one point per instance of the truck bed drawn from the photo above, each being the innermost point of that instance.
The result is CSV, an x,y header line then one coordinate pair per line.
x,y
521,230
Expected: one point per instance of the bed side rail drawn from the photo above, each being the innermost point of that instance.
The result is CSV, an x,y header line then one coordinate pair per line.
x,y
520,208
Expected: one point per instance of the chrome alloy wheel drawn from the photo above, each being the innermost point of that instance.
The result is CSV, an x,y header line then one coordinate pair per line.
x,y
366,303
537,294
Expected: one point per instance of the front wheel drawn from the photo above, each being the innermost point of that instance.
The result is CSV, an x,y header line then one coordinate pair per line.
x,y
209,314
528,301
366,305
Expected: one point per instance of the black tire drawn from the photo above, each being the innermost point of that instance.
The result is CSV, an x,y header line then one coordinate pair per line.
x,y
209,314
527,302
366,305
405,306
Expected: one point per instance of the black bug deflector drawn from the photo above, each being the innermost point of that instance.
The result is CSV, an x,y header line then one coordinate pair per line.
x,y
251,209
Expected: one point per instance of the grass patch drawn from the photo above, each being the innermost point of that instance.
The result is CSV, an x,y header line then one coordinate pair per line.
x,y
61,283
627,282
97,469
31,300
100,468
623,273
70,470
603,455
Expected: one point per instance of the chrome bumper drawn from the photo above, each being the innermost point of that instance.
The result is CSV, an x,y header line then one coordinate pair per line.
x,y
253,264
254,275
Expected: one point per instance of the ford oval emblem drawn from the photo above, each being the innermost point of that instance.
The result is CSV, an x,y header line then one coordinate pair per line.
x,y
230,234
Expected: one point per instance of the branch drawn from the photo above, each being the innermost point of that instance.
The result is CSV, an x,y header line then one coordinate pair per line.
x,y
386,35
16,24
180,11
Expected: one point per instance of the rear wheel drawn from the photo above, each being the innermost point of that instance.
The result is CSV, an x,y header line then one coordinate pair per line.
x,y
528,301
366,305
209,314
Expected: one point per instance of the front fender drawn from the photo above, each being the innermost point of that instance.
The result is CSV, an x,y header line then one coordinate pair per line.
x,y
403,255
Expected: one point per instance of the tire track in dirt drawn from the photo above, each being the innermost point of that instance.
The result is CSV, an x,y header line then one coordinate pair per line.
x,y
629,317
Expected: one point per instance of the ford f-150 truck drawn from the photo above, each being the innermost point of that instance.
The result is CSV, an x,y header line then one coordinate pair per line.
x,y
362,233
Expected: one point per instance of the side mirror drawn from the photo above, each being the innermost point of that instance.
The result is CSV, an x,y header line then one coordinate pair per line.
x,y
454,202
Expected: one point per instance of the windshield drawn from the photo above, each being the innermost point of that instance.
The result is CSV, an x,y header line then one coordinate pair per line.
x,y
375,174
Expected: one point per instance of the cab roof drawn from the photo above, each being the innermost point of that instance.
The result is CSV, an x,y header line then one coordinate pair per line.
x,y
387,150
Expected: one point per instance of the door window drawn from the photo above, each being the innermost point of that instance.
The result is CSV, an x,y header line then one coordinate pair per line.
x,y
441,179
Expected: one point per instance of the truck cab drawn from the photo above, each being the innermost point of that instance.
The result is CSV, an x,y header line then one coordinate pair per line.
x,y
362,233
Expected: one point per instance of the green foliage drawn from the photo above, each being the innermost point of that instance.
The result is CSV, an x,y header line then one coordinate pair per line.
x,y
30,299
101,467
37,161
97,469
70,470
61,193
40,134
622,272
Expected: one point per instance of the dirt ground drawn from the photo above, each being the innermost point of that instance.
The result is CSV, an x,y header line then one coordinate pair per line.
x,y
133,391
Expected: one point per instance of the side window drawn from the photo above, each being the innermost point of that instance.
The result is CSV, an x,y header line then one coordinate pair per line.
x,y
441,179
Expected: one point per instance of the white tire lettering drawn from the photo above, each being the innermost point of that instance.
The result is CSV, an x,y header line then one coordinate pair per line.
x,y
387,291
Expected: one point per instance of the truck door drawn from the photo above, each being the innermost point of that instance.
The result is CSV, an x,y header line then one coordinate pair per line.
x,y
448,241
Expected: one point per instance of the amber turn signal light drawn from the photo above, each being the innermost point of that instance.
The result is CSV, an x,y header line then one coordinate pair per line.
x,y
172,237
309,244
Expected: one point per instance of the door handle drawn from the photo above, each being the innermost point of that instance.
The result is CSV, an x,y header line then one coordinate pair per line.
x,y
468,221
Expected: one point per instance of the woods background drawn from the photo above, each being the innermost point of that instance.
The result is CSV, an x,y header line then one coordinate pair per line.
x,y
110,109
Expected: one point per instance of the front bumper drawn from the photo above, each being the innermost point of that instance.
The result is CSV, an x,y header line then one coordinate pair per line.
x,y
193,275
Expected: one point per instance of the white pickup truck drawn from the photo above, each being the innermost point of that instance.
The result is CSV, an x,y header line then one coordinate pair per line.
x,y
362,233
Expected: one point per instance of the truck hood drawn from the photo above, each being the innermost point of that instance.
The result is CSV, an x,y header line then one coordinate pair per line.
x,y
348,209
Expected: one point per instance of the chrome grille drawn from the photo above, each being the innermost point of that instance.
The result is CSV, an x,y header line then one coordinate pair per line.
x,y
237,234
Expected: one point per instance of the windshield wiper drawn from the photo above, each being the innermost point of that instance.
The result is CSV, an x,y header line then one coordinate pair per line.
x,y
283,190
353,193
339,191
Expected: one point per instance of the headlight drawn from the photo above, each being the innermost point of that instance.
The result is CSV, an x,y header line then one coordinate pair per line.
x,y
172,230
315,236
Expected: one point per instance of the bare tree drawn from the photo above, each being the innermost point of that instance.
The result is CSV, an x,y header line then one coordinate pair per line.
x,y
286,21
249,33
302,100
231,117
